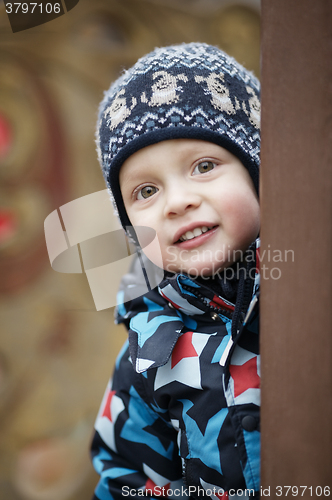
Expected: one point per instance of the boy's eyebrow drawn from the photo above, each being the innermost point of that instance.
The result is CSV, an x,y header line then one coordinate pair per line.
x,y
133,176
129,176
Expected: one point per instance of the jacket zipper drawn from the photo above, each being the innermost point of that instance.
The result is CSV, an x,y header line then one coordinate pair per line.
x,y
184,472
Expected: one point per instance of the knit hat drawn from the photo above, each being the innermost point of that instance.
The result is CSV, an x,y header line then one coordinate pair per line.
x,y
188,91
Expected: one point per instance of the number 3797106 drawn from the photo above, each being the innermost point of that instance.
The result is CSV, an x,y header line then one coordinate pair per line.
x,y
295,491
32,7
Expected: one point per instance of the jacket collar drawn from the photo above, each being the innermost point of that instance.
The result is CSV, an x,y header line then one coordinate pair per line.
x,y
156,320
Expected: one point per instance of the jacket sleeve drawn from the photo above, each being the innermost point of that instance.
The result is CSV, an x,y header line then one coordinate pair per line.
x,y
134,447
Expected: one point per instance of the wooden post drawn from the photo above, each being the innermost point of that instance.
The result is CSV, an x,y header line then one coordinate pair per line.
x,y
296,200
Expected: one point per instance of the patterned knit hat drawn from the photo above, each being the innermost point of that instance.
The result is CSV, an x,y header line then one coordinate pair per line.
x,y
188,91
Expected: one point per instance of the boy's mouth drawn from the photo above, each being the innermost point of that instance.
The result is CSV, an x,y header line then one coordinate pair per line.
x,y
189,235
193,233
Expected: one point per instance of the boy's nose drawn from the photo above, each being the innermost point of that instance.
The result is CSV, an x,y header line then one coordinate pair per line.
x,y
180,200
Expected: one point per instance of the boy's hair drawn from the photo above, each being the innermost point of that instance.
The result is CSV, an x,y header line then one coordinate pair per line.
x,y
188,91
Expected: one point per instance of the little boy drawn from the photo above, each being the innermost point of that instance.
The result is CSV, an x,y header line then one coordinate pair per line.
x,y
178,141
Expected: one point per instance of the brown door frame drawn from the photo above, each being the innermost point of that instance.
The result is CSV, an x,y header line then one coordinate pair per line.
x,y
296,201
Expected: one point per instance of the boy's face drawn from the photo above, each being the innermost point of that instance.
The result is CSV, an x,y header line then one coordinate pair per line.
x,y
200,200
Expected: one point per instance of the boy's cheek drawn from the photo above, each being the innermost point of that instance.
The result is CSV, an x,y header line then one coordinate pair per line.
x,y
152,249
244,226
145,235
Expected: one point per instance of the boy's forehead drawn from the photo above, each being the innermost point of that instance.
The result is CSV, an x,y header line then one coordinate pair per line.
x,y
175,152
179,148
143,160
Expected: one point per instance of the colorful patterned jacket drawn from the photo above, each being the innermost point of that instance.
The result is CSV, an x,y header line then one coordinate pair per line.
x,y
181,416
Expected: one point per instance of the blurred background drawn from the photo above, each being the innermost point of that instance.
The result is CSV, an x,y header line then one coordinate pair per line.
x,y
56,351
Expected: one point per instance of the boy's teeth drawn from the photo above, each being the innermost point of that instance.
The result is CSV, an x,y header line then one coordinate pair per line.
x,y
189,235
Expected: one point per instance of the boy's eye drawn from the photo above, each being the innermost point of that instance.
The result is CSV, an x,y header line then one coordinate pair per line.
x,y
204,166
146,192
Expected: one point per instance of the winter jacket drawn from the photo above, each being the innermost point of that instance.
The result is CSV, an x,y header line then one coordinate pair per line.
x,y
180,417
